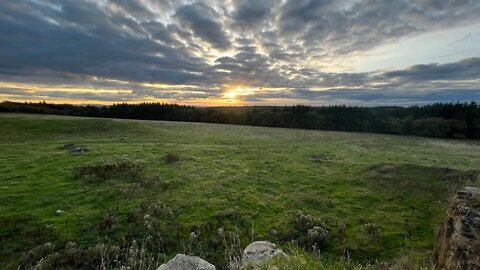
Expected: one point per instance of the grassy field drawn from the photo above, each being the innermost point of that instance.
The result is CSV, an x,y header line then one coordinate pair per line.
x,y
211,189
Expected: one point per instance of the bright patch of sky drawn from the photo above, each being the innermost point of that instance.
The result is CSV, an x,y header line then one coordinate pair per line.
x,y
444,46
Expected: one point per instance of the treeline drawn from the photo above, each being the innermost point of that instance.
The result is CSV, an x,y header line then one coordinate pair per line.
x,y
444,120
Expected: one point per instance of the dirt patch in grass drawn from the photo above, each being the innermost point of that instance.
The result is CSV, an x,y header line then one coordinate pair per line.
x,y
320,157
416,178
133,173
102,171
384,171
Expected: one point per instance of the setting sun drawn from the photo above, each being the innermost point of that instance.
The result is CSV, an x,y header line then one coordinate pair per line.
x,y
231,95
238,92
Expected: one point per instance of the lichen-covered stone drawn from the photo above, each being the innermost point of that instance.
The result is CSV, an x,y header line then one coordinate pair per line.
x,y
458,243
185,262
260,252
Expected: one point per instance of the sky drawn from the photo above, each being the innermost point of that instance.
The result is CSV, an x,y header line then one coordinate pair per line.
x,y
240,52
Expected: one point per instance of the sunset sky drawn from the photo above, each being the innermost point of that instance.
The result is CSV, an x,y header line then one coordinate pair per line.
x,y
240,52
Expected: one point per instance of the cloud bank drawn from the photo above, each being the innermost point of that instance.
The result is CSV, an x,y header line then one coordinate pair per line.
x,y
227,52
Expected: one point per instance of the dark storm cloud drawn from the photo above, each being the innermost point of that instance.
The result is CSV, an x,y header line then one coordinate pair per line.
x,y
213,44
201,19
83,38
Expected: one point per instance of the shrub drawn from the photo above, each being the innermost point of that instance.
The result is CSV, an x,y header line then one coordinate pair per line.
x,y
108,222
317,236
372,229
304,230
153,182
341,231
170,158
36,254
304,222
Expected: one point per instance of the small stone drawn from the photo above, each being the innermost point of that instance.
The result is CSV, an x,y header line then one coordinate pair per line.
x,y
472,190
78,150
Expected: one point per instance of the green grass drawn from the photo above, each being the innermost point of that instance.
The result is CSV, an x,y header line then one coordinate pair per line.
x,y
299,259
250,180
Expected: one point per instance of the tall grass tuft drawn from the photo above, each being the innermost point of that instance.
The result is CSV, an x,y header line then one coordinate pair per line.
x,y
170,158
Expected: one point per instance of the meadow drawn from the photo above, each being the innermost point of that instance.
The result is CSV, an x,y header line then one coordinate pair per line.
x,y
95,188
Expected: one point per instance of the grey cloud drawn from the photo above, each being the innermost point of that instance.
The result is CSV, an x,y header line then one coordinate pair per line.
x,y
202,20
252,13
135,8
296,14
89,40
244,41
225,60
341,29
465,69
370,97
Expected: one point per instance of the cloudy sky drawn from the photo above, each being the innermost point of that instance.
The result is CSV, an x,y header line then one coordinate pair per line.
x,y
240,52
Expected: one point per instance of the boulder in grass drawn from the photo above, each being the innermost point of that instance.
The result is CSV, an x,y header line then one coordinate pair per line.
x,y
185,262
260,252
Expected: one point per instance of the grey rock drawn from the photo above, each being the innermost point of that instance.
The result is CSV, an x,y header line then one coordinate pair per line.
x,y
185,262
472,190
75,150
260,252
458,242
78,151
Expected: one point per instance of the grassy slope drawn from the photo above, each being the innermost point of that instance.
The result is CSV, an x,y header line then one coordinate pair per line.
x,y
261,174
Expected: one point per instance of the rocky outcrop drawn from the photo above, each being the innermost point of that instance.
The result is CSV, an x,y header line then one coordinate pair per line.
x,y
458,243
185,262
260,252
75,150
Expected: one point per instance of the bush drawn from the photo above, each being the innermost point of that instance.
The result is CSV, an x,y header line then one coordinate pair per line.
x,y
372,229
108,222
36,254
317,236
304,230
171,158
304,222
153,182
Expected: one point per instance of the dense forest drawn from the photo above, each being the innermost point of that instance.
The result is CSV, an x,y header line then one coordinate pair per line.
x,y
444,120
